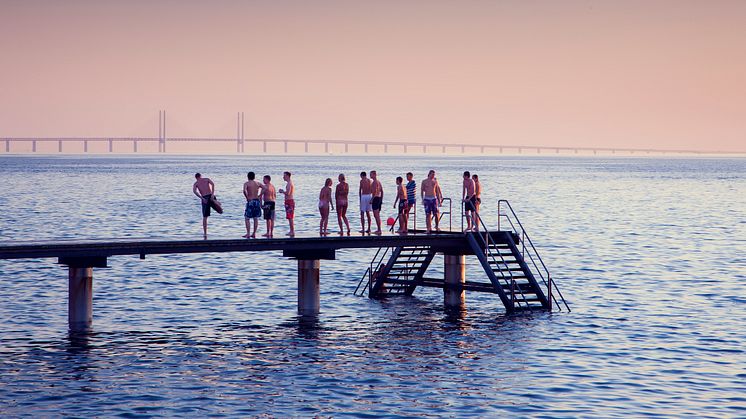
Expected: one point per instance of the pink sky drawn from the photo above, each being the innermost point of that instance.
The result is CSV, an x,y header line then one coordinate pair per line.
x,y
664,74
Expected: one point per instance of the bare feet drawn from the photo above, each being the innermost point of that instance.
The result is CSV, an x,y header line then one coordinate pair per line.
x,y
377,232
245,236
267,235
253,236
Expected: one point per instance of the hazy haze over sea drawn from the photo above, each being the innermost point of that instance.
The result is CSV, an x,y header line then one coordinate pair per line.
x,y
651,254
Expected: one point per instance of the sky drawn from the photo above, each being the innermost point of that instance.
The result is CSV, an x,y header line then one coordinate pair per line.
x,y
661,74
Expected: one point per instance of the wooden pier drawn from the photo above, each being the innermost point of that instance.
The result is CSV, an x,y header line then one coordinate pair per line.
x,y
399,266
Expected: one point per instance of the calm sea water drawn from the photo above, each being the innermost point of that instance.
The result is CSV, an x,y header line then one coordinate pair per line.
x,y
651,254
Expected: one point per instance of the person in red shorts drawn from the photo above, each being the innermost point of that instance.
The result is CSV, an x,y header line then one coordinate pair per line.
x,y
289,202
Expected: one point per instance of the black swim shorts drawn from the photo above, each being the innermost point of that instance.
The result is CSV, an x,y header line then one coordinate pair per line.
x,y
269,210
206,206
376,203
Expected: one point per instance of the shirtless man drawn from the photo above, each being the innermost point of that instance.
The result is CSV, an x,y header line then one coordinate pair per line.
x,y
251,190
289,202
205,191
432,197
268,205
469,199
365,197
377,200
478,193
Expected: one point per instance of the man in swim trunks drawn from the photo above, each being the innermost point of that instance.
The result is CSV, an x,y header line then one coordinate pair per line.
x,y
431,200
364,192
289,202
478,194
469,198
269,196
377,201
204,188
251,190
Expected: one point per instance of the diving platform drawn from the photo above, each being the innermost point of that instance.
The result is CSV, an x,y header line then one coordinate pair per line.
x,y
399,267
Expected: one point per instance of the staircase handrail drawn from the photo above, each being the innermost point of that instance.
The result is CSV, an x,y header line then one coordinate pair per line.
x,y
548,281
450,210
370,270
487,239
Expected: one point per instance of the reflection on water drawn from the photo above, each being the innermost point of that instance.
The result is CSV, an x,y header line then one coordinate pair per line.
x,y
649,252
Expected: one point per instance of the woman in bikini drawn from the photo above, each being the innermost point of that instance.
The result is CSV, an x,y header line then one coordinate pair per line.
x,y
340,196
325,201
403,208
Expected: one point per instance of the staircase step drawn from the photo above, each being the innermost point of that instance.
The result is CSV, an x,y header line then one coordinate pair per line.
x,y
404,268
509,268
508,277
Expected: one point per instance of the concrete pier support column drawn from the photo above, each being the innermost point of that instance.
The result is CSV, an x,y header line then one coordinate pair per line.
x,y
80,290
80,298
33,146
308,287
455,277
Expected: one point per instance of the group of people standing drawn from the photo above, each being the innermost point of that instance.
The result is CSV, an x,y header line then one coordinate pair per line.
x,y
261,198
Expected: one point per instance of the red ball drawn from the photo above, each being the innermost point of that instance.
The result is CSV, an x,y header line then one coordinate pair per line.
x,y
390,221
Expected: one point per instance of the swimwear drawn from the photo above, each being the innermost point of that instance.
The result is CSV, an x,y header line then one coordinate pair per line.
x,y
376,203
403,207
365,202
323,203
290,209
206,206
269,210
253,209
471,204
431,205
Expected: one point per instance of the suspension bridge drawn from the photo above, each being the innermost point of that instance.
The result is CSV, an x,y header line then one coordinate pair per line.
x,y
238,144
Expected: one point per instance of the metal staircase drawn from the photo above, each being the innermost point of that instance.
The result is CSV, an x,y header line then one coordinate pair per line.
x,y
515,271
401,274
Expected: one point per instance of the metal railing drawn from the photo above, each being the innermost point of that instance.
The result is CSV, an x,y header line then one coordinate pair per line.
x,y
441,214
533,254
375,263
486,242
